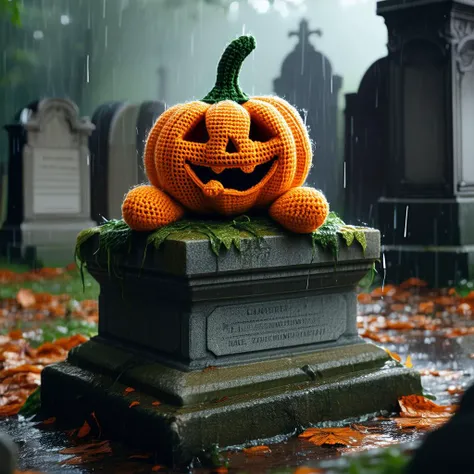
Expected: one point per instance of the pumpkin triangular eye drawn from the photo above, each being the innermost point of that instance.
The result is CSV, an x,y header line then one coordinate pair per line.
x,y
198,133
259,132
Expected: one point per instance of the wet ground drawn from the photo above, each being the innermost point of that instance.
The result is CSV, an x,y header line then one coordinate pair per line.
x,y
431,330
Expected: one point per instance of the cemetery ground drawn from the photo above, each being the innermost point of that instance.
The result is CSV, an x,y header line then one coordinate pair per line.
x,y
46,312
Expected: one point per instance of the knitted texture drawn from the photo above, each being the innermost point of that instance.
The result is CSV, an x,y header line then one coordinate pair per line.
x,y
227,154
146,208
300,210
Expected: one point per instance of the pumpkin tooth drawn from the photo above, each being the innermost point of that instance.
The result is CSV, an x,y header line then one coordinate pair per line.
x,y
248,169
218,169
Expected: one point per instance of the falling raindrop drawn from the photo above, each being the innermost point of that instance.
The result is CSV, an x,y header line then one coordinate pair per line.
x,y
406,222
87,69
344,179
106,36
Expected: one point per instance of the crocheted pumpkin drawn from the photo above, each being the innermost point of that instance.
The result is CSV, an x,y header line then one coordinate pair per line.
x,y
227,154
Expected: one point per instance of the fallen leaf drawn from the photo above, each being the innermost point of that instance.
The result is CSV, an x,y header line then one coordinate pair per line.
x,y
413,283
129,390
134,404
157,468
257,450
100,447
408,362
393,355
156,403
49,421
332,436
140,456
455,390
417,406
26,298
84,430
421,423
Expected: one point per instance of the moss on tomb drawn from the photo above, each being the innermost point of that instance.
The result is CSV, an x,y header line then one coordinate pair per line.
x,y
115,237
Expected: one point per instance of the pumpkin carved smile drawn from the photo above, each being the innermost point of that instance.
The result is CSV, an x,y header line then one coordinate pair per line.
x,y
233,178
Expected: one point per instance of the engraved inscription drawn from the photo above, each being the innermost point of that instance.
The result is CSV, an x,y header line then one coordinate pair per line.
x,y
256,327
56,182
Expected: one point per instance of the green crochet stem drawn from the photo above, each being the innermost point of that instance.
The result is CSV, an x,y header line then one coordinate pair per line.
x,y
227,83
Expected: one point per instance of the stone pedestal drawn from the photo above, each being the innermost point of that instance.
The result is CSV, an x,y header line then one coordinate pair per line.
x,y
247,345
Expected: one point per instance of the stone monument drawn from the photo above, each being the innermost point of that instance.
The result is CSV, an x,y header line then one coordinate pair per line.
x,y
427,209
249,344
308,83
55,179
48,187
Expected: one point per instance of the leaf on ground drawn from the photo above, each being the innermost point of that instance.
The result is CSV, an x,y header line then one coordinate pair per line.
x,y
129,390
257,450
307,470
134,404
422,424
99,447
417,406
156,403
408,362
158,467
25,298
344,436
84,430
49,421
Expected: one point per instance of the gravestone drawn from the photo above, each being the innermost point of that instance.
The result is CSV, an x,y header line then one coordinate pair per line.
x,y
426,213
99,152
247,345
12,188
308,83
118,162
366,145
56,199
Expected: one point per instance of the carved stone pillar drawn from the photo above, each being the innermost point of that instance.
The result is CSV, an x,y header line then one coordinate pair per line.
x,y
427,212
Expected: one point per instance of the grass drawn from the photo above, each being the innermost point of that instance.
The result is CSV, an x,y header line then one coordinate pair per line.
x,y
72,286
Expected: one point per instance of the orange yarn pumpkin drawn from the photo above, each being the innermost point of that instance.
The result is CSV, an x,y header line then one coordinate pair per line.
x,y
227,154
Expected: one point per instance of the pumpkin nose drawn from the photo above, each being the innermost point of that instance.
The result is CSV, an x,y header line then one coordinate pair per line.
x,y
231,148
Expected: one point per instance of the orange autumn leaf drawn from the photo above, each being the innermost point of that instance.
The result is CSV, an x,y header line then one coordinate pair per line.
x,y
49,421
332,436
399,325
426,307
455,390
129,390
413,283
140,456
157,468
84,430
156,403
134,404
257,450
15,334
421,423
387,290
408,362
26,298
102,447
417,406
393,355
364,298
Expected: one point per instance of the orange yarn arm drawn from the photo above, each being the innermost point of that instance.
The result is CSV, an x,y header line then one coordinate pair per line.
x,y
146,208
300,210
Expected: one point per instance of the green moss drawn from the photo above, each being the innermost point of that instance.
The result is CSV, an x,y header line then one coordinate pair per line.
x,y
116,238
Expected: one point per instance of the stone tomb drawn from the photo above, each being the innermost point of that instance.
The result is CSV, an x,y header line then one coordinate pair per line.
x,y
56,201
117,148
243,346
